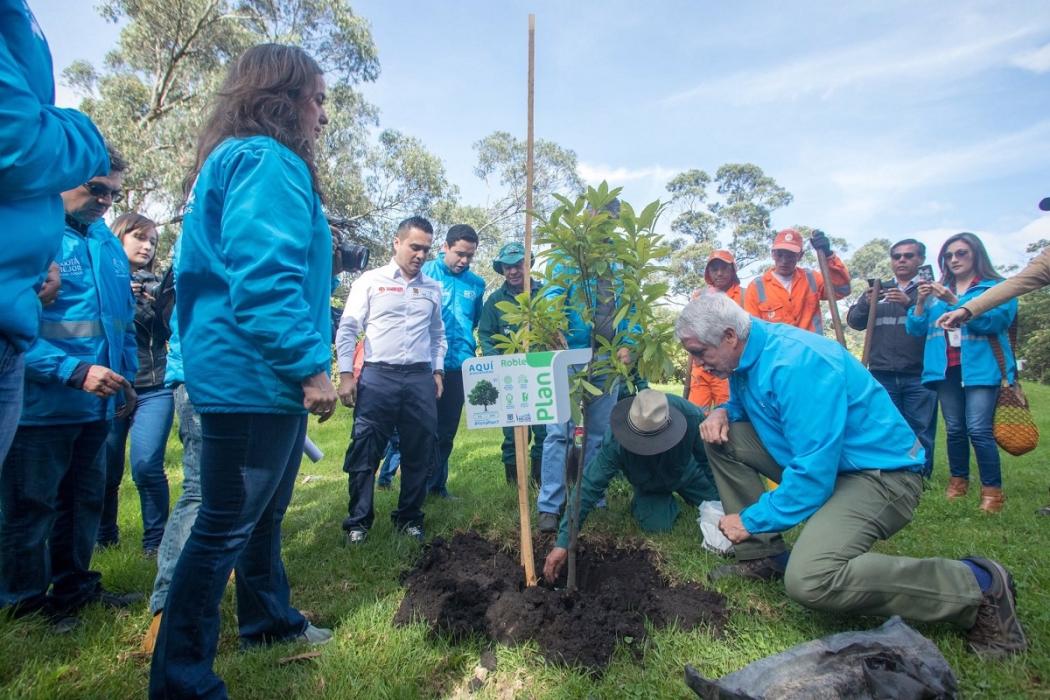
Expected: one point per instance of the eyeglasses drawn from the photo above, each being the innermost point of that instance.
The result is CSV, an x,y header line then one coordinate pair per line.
x,y
99,191
902,256
958,254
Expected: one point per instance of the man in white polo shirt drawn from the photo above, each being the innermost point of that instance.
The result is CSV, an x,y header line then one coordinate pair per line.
x,y
398,308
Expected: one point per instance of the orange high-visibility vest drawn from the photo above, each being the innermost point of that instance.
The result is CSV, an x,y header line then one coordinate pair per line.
x,y
767,299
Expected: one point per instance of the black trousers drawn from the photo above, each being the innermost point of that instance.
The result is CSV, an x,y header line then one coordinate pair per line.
x,y
449,408
388,398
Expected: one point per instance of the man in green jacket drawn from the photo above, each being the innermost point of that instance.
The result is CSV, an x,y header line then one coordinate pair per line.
x,y
511,264
654,440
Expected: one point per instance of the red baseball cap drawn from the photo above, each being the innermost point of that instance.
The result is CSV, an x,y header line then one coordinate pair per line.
x,y
788,239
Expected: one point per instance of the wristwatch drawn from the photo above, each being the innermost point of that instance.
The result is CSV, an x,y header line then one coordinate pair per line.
x,y
440,371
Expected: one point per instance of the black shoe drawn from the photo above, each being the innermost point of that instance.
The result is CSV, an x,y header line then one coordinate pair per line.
x,y
764,569
1044,511
416,532
356,536
383,486
64,624
548,522
997,632
108,599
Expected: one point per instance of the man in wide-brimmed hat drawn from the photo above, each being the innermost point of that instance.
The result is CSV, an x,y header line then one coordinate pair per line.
x,y
654,441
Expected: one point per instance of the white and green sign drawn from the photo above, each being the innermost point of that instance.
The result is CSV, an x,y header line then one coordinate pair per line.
x,y
522,389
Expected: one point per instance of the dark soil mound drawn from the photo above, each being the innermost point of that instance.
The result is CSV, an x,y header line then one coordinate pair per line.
x,y
471,586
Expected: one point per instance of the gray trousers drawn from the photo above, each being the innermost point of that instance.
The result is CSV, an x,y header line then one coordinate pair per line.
x,y
831,566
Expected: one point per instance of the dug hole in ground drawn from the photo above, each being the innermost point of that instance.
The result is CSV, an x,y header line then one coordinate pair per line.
x,y
470,586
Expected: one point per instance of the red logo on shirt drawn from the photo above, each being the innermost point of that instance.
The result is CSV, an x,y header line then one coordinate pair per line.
x,y
398,290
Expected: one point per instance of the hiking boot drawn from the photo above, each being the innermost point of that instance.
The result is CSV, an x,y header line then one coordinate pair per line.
x,y
992,498
764,569
149,641
997,632
548,522
957,487
384,486
416,532
108,599
356,536
314,635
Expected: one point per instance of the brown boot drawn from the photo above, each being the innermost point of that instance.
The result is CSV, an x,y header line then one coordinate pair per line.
x,y
150,640
957,487
992,498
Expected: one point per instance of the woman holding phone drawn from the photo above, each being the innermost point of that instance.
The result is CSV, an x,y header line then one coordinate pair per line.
x,y
960,364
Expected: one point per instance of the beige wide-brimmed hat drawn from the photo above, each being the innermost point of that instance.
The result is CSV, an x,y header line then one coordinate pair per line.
x,y
646,423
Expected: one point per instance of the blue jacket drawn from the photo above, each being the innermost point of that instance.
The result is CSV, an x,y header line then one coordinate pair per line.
x,y
92,321
173,374
254,278
461,302
979,366
819,413
578,334
43,151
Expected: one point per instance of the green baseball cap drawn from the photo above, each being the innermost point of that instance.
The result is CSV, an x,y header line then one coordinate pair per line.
x,y
511,254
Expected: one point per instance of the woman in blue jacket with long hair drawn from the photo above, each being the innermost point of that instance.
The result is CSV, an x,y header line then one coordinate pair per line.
x,y
253,289
961,365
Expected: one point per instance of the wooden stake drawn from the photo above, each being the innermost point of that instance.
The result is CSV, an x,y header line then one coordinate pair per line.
x,y
869,331
521,432
829,294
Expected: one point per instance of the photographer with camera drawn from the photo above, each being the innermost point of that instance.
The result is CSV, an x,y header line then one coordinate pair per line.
x,y
896,357
154,409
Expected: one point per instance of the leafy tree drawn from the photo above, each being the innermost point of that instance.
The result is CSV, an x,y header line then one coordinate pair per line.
x,y
152,93
1033,328
483,394
740,220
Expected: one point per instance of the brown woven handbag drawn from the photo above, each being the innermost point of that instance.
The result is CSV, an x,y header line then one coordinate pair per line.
x,y
1014,428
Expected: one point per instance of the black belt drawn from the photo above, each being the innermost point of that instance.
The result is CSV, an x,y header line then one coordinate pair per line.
x,y
413,367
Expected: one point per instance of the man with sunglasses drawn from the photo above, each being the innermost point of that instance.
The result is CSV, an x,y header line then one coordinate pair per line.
x,y
78,370
895,358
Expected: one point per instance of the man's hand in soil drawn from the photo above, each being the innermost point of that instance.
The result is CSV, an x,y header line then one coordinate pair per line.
x,y
715,428
552,566
733,528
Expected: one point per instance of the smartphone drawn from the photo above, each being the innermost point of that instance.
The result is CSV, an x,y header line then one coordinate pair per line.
x,y
882,289
925,273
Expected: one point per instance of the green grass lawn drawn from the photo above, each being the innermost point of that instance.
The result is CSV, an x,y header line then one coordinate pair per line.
x,y
356,592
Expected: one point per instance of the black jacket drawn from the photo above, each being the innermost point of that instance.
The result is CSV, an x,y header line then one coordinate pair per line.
x,y
892,349
152,333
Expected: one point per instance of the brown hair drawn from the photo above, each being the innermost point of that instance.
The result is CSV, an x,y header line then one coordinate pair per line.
x,y
982,264
261,96
129,223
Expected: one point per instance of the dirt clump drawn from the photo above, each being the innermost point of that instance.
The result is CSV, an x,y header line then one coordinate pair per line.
x,y
470,586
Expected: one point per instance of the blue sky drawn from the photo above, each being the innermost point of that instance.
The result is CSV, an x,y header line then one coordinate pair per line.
x,y
888,119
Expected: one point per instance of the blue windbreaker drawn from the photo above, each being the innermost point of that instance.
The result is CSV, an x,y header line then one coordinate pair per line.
x,y
818,413
461,302
92,321
254,278
979,366
44,150
578,335
173,374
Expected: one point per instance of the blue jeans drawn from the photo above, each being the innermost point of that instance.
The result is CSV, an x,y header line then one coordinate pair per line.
x,y
149,428
968,412
50,501
391,460
918,405
12,371
555,449
182,517
248,467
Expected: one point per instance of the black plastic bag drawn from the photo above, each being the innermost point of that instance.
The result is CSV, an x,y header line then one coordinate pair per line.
x,y
891,662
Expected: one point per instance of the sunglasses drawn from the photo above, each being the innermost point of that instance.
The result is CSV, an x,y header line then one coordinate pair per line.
x,y
902,256
958,255
99,191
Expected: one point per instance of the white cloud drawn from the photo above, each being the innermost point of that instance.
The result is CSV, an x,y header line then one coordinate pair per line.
x,y
895,58
1036,60
615,176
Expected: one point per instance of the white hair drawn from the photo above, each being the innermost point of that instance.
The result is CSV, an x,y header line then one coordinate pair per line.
x,y
707,317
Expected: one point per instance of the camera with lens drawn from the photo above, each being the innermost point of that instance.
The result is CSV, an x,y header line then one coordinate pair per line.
x,y
352,257
150,282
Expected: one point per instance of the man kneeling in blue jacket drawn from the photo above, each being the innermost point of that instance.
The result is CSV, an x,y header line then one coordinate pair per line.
x,y
805,413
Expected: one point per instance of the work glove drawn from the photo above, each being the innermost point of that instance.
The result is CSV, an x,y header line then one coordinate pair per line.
x,y
819,241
